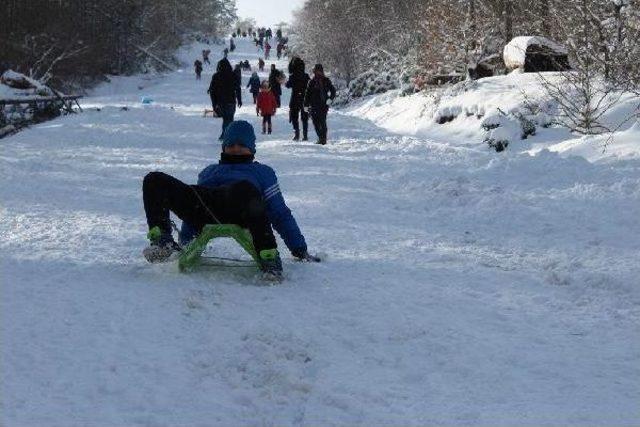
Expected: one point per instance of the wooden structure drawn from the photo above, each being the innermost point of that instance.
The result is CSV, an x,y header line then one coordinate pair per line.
x,y
17,113
36,103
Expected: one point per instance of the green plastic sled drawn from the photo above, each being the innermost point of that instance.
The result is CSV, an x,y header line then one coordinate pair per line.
x,y
191,255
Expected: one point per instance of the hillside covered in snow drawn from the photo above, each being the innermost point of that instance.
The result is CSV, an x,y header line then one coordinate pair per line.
x,y
460,286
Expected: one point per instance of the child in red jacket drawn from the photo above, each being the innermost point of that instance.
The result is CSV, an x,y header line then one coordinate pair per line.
x,y
266,106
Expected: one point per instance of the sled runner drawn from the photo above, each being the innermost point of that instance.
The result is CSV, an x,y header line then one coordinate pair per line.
x,y
191,255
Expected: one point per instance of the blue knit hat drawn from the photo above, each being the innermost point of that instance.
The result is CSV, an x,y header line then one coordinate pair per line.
x,y
240,132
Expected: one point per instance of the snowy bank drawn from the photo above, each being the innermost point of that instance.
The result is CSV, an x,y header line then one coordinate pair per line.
x,y
467,113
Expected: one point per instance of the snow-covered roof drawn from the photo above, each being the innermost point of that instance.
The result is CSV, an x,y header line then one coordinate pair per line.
x,y
515,51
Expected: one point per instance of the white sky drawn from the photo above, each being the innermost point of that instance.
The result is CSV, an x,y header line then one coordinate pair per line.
x,y
267,12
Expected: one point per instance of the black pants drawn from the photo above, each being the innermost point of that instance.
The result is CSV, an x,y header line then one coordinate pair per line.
x,y
277,93
266,123
319,118
227,111
294,113
238,203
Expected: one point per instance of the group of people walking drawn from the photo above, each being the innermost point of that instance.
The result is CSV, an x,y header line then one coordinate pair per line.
x,y
310,96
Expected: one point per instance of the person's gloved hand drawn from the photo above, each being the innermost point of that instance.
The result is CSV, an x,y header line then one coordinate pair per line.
x,y
305,256
239,104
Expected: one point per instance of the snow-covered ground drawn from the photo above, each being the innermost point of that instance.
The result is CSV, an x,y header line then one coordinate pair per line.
x,y
461,286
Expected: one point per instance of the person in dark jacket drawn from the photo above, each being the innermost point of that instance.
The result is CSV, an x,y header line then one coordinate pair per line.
x,y
205,56
319,93
267,49
237,70
275,82
237,190
225,93
261,64
254,86
198,67
298,81
279,47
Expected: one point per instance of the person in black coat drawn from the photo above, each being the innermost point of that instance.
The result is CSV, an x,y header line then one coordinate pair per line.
x,y
198,67
319,91
237,70
254,85
275,78
225,92
297,82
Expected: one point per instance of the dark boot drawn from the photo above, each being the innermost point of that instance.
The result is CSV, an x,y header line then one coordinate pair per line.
x,y
296,136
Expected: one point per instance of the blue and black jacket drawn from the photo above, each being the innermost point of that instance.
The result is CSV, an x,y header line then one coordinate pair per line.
x,y
264,179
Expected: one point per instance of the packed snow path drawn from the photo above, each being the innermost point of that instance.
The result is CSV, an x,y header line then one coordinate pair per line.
x,y
460,287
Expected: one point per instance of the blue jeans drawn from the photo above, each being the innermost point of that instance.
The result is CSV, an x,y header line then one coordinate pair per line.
x,y
228,111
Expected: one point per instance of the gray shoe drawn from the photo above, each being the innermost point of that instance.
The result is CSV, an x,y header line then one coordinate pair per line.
x,y
156,253
162,246
271,265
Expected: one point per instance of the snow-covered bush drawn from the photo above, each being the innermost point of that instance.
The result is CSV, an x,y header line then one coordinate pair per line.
x,y
37,105
384,73
502,129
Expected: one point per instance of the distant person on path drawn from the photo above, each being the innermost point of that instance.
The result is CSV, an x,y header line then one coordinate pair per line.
x,y
298,81
198,67
266,106
205,56
254,86
232,45
260,64
279,33
237,70
320,92
279,49
225,52
268,34
275,82
267,49
225,93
